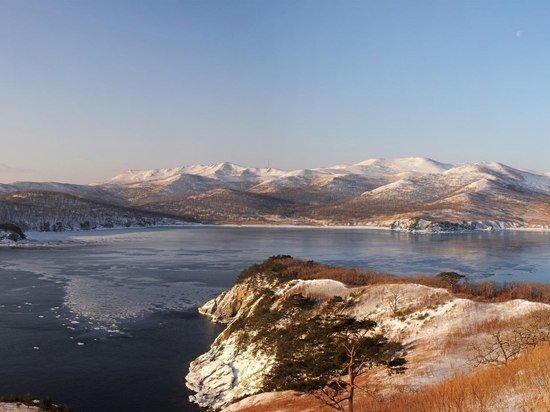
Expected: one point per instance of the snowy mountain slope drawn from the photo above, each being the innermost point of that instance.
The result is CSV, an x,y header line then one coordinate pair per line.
x,y
483,192
383,192
149,185
222,172
225,206
365,174
331,182
229,172
385,167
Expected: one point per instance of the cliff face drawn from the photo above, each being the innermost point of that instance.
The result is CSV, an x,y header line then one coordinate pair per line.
x,y
229,371
234,302
260,310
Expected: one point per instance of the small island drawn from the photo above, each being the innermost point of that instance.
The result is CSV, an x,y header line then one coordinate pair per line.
x,y
11,232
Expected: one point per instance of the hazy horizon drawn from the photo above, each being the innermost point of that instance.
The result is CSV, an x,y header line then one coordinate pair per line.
x,y
91,89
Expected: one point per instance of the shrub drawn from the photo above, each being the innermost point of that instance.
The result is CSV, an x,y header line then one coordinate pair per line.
x,y
283,268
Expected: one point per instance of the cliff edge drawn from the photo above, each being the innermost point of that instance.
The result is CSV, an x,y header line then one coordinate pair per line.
x,y
269,301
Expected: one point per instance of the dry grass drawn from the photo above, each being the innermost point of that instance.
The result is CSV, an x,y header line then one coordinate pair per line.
x,y
530,330
520,385
538,320
287,268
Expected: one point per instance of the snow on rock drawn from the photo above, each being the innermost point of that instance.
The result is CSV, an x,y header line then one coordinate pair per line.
x,y
230,304
10,233
421,317
227,372
17,407
320,289
8,236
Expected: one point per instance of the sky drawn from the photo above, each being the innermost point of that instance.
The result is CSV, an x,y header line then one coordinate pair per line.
x,y
89,89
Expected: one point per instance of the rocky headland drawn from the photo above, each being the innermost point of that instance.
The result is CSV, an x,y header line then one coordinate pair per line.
x,y
442,324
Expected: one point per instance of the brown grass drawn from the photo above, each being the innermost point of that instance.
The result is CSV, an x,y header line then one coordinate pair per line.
x,y
522,384
539,320
287,268
524,380
286,402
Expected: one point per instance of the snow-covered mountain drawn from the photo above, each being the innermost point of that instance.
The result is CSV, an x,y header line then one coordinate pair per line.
x,y
269,179
225,172
144,186
408,193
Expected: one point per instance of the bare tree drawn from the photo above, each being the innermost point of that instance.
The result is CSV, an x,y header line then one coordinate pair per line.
x,y
535,329
393,299
499,348
504,344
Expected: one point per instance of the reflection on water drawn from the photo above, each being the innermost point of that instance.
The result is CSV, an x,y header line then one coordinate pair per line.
x,y
108,321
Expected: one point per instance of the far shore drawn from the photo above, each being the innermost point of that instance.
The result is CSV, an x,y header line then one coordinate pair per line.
x,y
31,234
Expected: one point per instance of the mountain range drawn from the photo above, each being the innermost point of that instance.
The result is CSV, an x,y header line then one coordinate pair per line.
x,y
405,193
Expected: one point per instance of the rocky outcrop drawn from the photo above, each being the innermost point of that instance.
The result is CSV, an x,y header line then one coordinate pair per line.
x,y
239,361
230,304
229,371
426,226
11,232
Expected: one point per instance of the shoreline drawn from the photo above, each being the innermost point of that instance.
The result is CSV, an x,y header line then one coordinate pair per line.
x,y
374,227
46,239
292,226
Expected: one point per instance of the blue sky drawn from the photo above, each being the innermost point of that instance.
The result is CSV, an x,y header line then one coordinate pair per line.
x,y
91,88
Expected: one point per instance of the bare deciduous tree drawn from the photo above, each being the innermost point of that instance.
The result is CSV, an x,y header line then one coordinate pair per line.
x,y
504,344
394,298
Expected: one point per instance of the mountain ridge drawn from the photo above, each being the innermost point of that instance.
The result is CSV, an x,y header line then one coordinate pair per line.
x,y
394,193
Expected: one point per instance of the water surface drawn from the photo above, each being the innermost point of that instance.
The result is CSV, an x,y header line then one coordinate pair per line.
x,y
107,321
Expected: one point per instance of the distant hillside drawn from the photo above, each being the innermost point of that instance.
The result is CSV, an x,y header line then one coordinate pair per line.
x,y
226,206
54,211
405,194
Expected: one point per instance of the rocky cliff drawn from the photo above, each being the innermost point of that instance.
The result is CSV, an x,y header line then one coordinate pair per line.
x,y
229,371
262,309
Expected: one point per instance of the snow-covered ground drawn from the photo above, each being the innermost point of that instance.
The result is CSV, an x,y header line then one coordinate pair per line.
x,y
228,371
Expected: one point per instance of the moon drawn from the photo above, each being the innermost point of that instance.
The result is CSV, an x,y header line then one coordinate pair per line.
x,y
519,33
